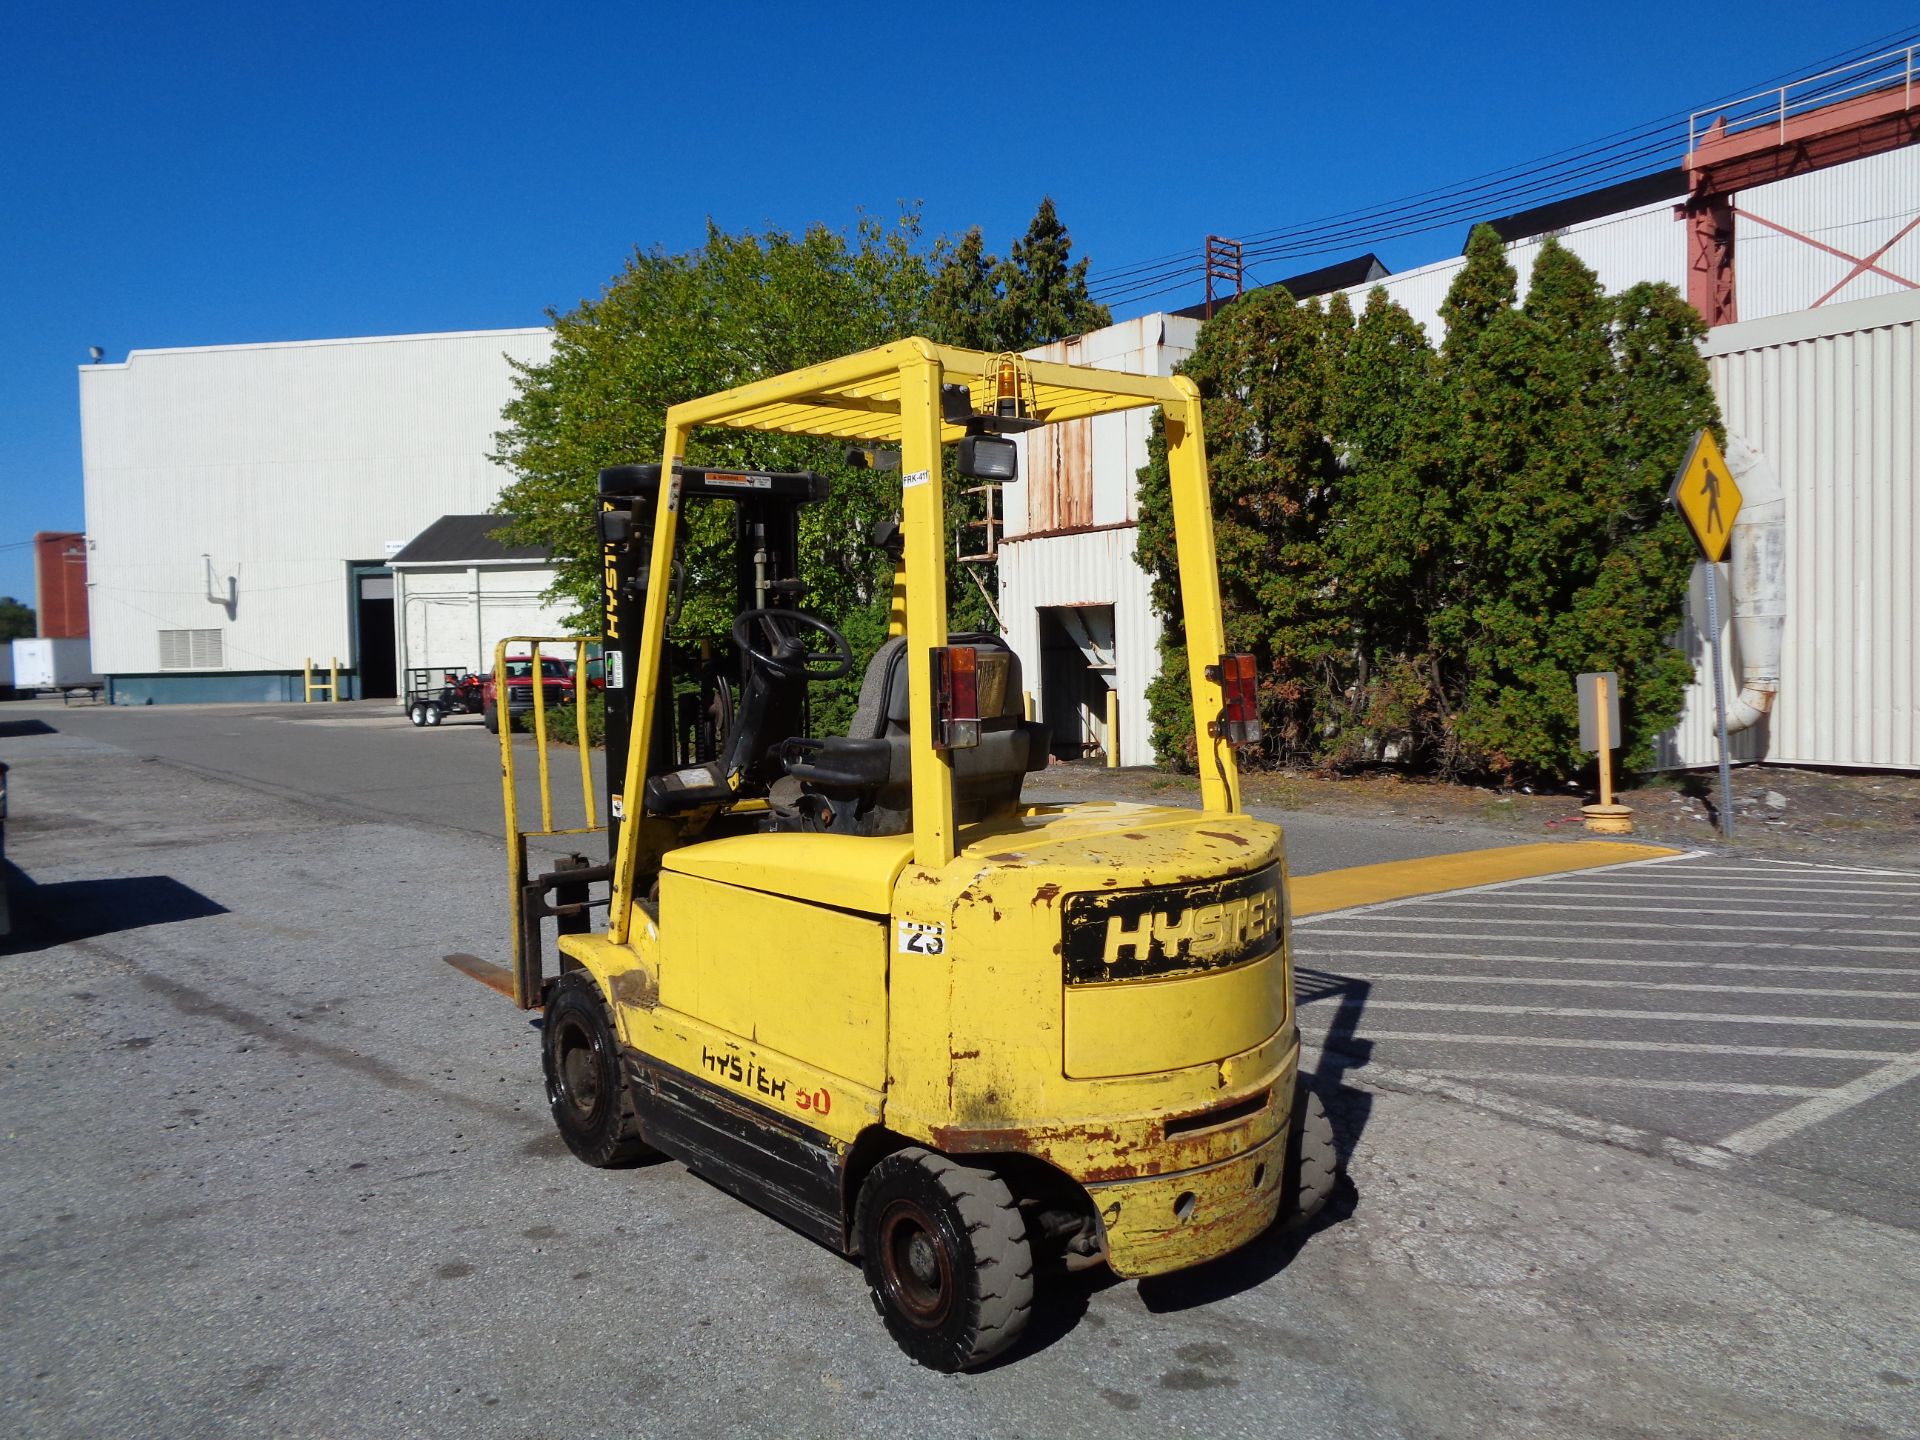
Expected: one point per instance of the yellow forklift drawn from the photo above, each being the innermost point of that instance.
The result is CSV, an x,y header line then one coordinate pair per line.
x,y
854,979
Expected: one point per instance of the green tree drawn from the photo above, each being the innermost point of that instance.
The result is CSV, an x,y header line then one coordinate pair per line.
x,y
672,327
16,620
1044,294
1422,549
1264,368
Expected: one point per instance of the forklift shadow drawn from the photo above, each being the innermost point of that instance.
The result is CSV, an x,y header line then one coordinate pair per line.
x,y
68,910
1348,1107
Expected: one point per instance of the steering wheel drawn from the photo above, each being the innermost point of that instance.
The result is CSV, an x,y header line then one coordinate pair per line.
x,y
782,650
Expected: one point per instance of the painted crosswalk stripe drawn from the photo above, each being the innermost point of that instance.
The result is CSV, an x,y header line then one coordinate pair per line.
x,y
1747,908
1840,1098
1628,1082
1576,982
1614,962
1637,1047
1642,885
1663,926
1820,947
1584,1012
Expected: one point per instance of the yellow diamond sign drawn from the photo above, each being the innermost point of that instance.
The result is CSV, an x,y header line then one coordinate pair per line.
x,y
1706,497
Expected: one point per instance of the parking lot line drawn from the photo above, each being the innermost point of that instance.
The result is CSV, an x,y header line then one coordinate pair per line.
x,y
1771,1131
1638,1047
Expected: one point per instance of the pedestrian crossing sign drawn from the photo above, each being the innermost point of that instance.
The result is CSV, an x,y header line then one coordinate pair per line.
x,y
1706,497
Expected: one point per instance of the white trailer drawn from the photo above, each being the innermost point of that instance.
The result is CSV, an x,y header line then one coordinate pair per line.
x,y
53,664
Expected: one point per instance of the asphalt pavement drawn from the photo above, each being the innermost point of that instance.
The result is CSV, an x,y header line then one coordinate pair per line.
x,y
363,758
1764,1013
269,1167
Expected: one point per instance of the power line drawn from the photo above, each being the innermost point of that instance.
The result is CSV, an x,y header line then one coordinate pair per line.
x,y
1624,154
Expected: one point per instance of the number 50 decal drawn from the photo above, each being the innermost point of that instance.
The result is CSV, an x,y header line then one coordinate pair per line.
x,y
919,939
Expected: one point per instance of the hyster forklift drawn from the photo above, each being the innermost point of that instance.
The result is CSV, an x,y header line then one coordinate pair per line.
x,y
853,978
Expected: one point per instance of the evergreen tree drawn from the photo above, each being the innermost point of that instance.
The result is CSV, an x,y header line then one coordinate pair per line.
x,y
1044,297
963,308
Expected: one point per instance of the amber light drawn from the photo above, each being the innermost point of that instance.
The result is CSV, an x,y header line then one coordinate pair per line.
x,y
956,697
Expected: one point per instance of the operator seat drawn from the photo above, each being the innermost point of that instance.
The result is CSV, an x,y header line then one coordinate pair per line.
x,y
861,783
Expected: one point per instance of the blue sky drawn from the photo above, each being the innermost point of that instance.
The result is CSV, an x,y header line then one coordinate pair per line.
x,y
212,173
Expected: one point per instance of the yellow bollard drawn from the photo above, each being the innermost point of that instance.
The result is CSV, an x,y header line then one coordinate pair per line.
x,y
1606,818
1026,702
1113,729
333,681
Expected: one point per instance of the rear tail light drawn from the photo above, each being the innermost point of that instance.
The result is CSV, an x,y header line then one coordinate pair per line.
x,y
1240,699
956,697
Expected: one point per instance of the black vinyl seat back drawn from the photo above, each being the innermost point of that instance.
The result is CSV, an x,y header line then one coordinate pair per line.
x,y
863,782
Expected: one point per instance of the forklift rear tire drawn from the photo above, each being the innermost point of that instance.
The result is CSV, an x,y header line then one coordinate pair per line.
x,y
591,1104
1313,1162
947,1258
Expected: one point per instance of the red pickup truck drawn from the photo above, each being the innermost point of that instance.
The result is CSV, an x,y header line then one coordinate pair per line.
x,y
555,674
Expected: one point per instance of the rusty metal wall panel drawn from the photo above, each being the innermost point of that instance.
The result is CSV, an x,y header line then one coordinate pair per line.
x,y
273,466
1854,208
1830,396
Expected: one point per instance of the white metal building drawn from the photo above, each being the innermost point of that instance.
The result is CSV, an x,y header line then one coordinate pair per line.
x,y
1822,374
1074,603
243,502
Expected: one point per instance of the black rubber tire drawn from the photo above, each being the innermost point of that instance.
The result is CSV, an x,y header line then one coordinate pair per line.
x,y
490,717
586,1091
434,715
417,714
947,1258
1313,1161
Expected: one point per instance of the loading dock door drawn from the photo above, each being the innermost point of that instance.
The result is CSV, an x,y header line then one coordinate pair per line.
x,y
1076,671
373,653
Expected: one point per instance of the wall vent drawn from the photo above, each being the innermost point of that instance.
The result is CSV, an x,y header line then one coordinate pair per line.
x,y
192,650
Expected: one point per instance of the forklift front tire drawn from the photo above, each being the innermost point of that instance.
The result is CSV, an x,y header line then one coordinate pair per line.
x,y
592,1106
947,1258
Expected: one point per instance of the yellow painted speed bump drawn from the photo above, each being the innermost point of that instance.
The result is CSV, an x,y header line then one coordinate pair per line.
x,y
1436,874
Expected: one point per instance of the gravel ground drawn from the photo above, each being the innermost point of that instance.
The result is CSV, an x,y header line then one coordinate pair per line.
x,y
271,1168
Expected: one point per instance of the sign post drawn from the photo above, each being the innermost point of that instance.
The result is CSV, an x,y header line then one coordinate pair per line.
x,y
1708,500
1599,693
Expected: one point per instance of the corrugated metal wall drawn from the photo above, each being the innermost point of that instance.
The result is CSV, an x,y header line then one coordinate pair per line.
x,y
1830,396
1623,250
451,617
255,473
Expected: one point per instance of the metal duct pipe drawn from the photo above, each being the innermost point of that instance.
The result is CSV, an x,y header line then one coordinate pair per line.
x,y
1757,558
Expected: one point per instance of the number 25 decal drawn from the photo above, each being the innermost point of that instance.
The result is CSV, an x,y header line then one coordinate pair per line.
x,y
919,939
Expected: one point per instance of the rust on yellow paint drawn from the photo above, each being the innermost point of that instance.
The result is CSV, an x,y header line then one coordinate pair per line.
x,y
1402,879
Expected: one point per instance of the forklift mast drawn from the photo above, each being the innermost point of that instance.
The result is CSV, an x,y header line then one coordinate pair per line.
x,y
766,555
